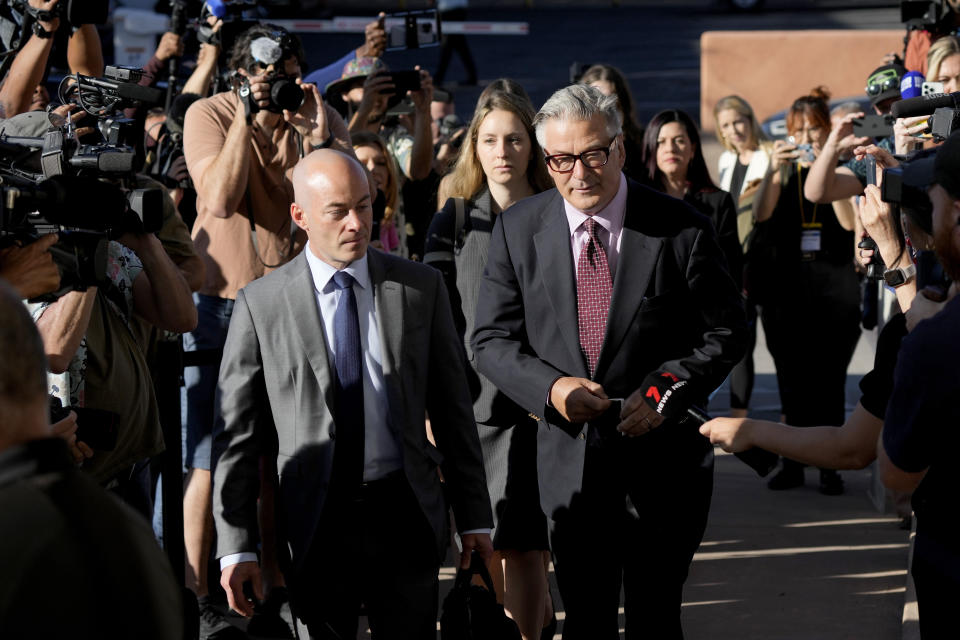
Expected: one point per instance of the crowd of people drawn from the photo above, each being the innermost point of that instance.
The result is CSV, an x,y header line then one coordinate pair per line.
x,y
403,321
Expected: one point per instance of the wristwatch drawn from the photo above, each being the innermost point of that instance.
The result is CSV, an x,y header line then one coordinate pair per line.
x,y
40,32
900,276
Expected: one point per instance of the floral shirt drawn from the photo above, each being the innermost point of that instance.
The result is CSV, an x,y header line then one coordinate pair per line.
x,y
123,267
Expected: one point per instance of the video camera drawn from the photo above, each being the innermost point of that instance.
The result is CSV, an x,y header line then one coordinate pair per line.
x,y
86,191
285,93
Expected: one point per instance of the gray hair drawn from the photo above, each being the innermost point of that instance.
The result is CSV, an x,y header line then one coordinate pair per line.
x,y
579,102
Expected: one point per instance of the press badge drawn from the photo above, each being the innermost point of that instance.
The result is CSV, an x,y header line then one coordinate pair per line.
x,y
810,237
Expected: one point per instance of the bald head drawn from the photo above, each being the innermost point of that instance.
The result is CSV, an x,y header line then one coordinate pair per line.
x,y
319,168
333,205
23,373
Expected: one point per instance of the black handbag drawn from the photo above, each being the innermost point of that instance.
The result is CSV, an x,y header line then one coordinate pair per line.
x,y
471,612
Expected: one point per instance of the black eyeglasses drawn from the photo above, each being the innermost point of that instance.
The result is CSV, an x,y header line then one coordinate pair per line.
x,y
591,158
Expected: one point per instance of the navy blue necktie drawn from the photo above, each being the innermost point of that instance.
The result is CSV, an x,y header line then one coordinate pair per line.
x,y
348,415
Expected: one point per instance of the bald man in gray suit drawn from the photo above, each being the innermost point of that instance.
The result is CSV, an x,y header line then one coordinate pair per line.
x,y
331,364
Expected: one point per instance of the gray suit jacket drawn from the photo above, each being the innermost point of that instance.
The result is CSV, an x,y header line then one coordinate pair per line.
x,y
674,307
277,388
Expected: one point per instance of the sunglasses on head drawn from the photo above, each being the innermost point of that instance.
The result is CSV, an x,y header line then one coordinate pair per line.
x,y
883,81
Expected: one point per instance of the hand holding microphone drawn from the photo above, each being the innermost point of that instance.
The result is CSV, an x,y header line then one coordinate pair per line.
x,y
669,397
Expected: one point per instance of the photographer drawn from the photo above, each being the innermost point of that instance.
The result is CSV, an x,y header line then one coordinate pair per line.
x,y
240,147
920,439
62,534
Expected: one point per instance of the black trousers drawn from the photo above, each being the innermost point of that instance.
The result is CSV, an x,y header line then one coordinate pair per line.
x,y
379,550
636,524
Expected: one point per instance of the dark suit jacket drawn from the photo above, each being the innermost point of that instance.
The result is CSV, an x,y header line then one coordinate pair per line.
x,y
277,385
674,307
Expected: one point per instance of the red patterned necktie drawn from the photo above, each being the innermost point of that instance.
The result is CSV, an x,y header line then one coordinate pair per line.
x,y
594,288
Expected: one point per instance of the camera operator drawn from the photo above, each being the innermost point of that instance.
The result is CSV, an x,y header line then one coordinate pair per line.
x,y
97,363
920,439
240,153
76,564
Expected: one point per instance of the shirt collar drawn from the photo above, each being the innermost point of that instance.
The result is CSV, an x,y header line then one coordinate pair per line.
x,y
610,217
323,273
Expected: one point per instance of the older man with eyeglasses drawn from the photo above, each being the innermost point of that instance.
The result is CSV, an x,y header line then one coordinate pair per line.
x,y
591,291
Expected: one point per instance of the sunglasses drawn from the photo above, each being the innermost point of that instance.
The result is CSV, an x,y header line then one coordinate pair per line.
x,y
883,81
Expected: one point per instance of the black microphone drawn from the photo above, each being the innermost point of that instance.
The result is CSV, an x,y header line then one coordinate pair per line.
x,y
668,395
924,105
760,460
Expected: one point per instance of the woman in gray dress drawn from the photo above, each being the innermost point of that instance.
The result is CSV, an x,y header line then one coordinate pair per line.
x,y
499,164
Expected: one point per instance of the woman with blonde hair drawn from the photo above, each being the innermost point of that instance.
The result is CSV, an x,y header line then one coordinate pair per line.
x,y
943,63
743,171
389,234
500,163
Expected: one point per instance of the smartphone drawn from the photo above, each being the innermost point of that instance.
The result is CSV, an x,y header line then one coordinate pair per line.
x,y
873,126
930,88
404,81
871,164
412,29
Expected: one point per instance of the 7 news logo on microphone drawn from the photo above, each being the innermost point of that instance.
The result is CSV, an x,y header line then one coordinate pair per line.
x,y
661,388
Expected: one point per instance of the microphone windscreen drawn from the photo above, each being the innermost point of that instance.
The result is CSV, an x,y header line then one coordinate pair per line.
x,y
911,85
924,105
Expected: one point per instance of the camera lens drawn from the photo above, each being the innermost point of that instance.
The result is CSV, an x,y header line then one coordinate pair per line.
x,y
286,94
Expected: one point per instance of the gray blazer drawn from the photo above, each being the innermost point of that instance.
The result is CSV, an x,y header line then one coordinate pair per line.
x,y
277,388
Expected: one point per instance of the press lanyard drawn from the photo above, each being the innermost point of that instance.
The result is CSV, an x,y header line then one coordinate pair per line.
x,y
809,231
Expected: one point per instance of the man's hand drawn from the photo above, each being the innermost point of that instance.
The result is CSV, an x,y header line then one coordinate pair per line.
x,y
578,399
377,89
232,579
259,88
67,429
170,46
479,542
30,269
732,434
46,5
637,417
310,120
376,39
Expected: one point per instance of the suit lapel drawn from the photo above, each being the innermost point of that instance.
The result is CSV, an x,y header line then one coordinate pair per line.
x,y
388,298
552,243
302,303
638,259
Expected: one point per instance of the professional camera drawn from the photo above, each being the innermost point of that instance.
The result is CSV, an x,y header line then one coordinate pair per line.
x,y
75,12
285,93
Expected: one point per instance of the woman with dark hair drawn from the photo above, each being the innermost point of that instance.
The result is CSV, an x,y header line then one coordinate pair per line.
x,y
500,163
673,163
810,308
610,80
